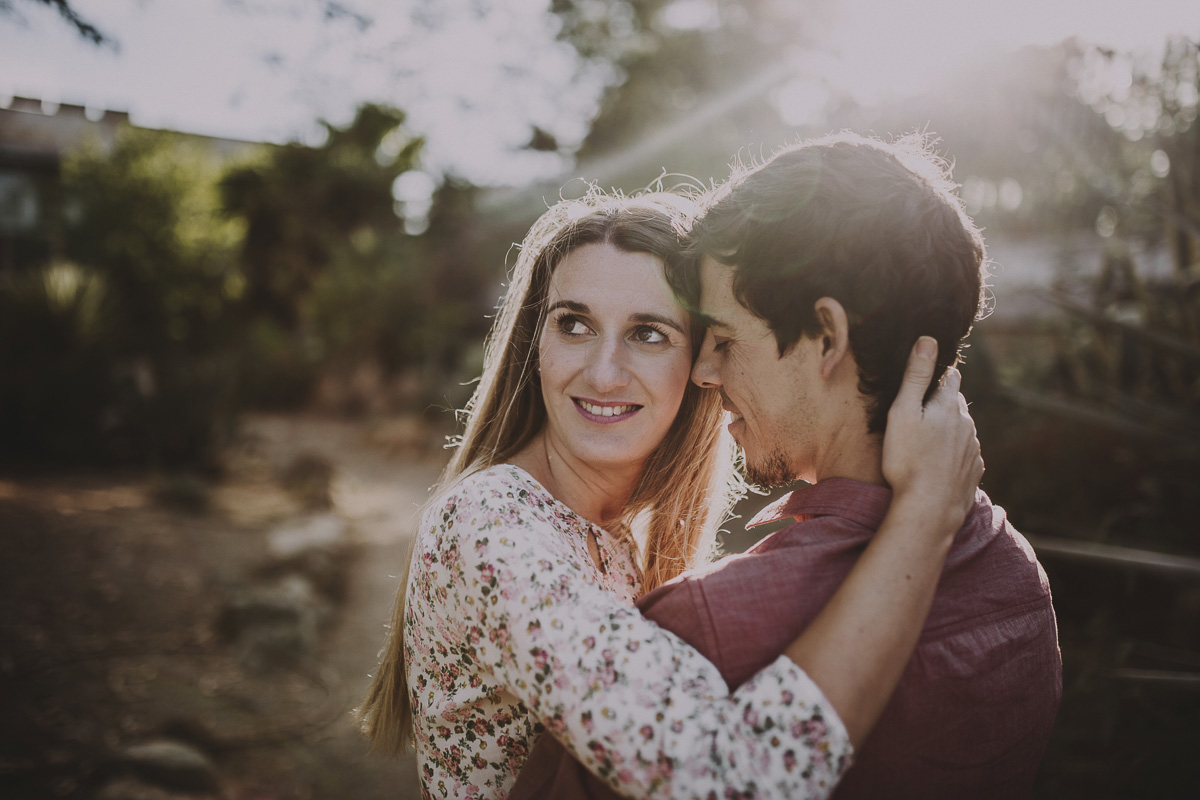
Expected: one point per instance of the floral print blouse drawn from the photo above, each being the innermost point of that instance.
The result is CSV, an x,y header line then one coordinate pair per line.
x,y
511,629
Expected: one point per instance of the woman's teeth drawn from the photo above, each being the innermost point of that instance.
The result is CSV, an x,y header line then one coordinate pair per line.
x,y
605,411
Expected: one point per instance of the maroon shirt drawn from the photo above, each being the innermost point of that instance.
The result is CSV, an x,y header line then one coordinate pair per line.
x,y
972,713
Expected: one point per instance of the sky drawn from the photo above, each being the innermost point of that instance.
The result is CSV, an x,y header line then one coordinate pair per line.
x,y
902,45
474,75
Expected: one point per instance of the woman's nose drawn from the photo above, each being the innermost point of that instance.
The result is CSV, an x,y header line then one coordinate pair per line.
x,y
607,368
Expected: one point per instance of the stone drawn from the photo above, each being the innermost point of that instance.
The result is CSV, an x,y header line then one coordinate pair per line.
x,y
274,624
315,532
309,478
170,764
128,787
317,547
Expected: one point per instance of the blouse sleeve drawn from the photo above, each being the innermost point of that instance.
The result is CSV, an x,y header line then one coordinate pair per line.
x,y
633,702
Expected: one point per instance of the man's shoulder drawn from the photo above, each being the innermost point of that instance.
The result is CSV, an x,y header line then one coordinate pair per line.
x,y
742,610
791,551
796,559
987,532
992,574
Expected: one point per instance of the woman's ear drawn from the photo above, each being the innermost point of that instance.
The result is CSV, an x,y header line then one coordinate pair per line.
x,y
835,334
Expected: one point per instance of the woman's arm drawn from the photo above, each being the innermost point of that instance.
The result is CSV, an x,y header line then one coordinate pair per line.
x,y
497,586
858,646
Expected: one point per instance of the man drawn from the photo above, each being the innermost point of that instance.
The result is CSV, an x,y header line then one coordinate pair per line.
x,y
817,271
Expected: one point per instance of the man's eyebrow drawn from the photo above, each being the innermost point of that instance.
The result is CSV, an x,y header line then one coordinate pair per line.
x,y
659,318
710,321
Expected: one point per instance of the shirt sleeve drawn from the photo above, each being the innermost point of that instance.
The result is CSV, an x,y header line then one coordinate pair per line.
x,y
681,608
633,702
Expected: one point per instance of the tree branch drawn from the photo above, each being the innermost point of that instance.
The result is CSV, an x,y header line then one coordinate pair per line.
x,y
84,28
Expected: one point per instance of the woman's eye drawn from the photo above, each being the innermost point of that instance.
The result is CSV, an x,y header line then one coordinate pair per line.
x,y
573,326
648,335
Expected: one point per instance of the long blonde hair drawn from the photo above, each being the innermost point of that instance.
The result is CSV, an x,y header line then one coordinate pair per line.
x,y
689,483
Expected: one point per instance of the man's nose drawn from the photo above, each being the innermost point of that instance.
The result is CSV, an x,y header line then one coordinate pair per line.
x,y
607,369
704,372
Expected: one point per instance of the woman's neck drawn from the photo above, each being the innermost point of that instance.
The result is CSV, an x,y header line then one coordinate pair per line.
x,y
598,494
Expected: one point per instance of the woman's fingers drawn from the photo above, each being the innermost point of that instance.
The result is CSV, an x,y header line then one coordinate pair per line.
x,y
931,448
951,382
922,362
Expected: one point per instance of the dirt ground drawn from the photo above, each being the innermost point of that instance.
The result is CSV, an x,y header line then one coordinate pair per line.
x,y
115,613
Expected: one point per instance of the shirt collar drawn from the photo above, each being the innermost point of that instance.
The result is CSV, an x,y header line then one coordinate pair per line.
x,y
864,503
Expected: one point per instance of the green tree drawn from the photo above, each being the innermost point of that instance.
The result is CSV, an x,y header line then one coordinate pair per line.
x,y
1095,443
114,352
334,280
301,206
695,81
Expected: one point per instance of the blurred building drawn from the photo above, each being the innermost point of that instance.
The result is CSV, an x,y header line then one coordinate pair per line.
x,y
34,136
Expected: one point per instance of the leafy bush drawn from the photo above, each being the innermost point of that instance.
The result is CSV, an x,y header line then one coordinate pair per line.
x,y
333,281
120,351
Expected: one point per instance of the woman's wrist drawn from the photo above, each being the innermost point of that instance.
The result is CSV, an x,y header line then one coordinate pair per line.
x,y
925,516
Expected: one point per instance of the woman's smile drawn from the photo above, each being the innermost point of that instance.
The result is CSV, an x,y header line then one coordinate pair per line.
x,y
605,412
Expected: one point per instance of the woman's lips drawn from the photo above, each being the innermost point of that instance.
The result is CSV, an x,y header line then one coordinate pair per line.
x,y
605,412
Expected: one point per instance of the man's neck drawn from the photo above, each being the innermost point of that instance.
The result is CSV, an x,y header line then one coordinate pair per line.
x,y
851,452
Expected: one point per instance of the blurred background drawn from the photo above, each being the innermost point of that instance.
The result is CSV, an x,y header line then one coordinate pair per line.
x,y
248,254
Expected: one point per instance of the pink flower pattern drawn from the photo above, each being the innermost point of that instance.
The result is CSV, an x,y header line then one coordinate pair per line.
x,y
512,630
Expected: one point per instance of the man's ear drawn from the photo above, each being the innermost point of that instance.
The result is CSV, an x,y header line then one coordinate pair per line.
x,y
835,334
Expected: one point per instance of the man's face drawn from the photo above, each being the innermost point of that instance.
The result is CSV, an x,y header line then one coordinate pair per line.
x,y
773,399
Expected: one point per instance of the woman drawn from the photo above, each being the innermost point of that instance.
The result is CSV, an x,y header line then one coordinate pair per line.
x,y
586,444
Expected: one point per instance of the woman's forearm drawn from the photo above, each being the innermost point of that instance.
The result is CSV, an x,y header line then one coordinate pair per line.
x,y
503,606
858,646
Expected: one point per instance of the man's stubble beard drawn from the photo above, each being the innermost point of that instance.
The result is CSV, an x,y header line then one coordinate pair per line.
x,y
770,473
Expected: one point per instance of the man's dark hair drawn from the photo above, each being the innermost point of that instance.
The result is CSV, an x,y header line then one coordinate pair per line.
x,y
876,226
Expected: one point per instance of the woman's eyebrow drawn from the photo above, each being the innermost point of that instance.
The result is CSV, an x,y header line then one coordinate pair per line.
x,y
570,305
640,317
659,318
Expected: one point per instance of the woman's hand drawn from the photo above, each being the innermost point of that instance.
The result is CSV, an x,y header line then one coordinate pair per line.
x,y
930,451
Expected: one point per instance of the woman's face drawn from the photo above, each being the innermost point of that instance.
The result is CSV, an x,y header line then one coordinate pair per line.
x,y
615,356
